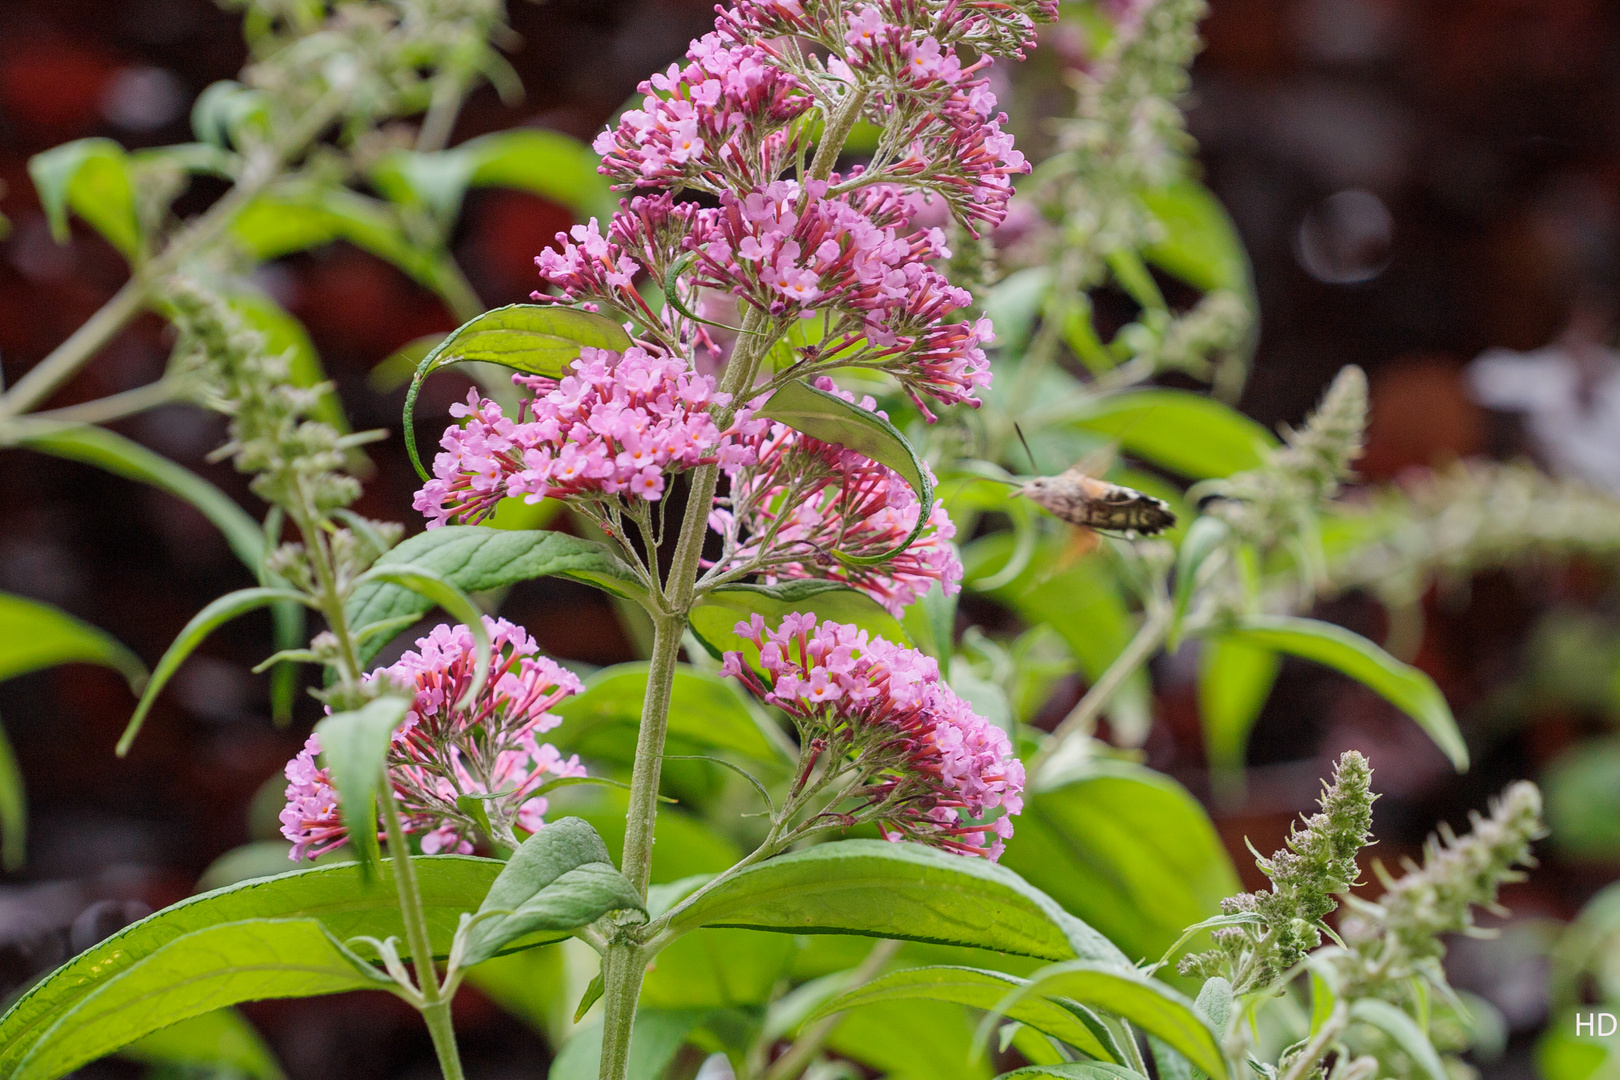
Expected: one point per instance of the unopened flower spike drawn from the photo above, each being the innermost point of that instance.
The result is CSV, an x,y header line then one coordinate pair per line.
x,y
440,753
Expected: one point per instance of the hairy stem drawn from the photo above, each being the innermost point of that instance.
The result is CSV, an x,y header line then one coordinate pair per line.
x,y
437,1016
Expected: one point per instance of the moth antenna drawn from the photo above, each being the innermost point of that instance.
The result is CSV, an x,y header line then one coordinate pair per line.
x,y
1027,450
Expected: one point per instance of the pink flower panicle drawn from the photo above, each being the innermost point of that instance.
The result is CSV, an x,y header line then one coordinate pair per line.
x,y
440,752
802,502
614,428
928,768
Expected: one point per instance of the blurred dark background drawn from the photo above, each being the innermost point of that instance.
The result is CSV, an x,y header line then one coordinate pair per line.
x,y
1416,181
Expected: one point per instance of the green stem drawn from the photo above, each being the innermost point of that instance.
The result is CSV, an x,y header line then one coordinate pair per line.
x,y
444,1039
1083,718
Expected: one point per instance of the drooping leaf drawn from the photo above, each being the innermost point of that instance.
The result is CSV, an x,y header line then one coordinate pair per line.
x,y
91,177
192,975
1184,432
561,878
13,809
1235,678
828,417
716,615
476,559
536,339
205,622
1145,1002
435,587
545,163
1205,536
354,746
35,635
1200,244
1402,685
221,1040
124,457
335,894
706,712
901,891
984,990
1123,847
1395,1023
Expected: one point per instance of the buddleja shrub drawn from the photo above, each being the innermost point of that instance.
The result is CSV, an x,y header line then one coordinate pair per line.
x,y
676,390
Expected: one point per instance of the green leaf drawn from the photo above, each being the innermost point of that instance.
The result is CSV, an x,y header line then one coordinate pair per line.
x,y
911,1040
984,990
13,809
719,968
706,713
828,417
1125,848
434,586
537,339
1145,1002
1013,305
35,635
475,560
354,746
1201,246
195,974
205,622
1184,432
1073,1070
683,844
1235,678
336,894
561,878
226,111
1205,536
221,1040
901,891
714,618
545,163
91,177
124,457
1404,1030
1402,685
655,1037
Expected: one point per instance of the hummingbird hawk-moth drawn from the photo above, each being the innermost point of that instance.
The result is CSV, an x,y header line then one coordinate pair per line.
x,y
1084,500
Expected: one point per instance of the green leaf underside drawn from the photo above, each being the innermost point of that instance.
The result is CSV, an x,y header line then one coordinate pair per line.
x,y
476,559
561,878
192,975
1184,432
911,1040
337,895
221,1040
716,615
35,636
1145,1002
354,746
113,453
1074,1070
705,711
979,989
1402,685
828,417
1125,848
902,891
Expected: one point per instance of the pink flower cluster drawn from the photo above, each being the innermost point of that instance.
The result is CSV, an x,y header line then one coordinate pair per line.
x,y
613,428
802,502
720,121
928,768
440,752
